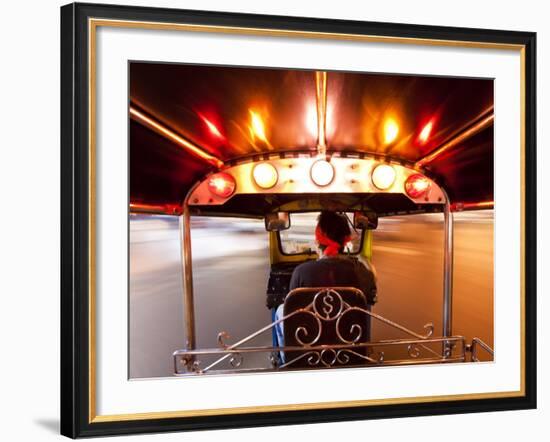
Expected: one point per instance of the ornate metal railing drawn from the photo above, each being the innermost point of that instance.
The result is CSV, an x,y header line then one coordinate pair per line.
x,y
328,309
472,348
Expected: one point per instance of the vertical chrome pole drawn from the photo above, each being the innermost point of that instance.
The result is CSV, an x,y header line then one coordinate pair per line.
x,y
448,277
321,97
188,299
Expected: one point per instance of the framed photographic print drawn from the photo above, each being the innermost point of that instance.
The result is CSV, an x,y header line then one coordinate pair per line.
x,y
274,220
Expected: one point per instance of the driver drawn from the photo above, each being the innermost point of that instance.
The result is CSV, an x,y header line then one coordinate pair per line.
x,y
333,268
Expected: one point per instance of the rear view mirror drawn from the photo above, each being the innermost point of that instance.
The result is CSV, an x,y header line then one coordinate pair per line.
x,y
275,222
365,220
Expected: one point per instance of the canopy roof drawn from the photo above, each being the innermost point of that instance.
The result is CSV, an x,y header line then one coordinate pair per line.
x,y
229,113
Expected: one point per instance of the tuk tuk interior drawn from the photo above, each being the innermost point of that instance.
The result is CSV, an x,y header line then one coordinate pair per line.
x,y
273,183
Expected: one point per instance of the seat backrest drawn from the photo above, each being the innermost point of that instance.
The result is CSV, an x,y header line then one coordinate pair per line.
x,y
322,316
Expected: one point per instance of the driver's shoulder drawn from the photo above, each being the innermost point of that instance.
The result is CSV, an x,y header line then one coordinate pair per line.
x,y
306,266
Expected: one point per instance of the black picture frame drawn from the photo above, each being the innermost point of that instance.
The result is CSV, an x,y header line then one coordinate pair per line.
x,y
75,220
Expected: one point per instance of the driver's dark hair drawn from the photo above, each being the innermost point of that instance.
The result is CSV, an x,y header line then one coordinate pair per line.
x,y
334,225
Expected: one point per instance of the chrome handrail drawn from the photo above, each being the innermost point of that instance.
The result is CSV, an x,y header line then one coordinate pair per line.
x,y
472,348
327,309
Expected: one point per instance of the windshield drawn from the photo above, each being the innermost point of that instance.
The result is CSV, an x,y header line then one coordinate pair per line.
x,y
300,237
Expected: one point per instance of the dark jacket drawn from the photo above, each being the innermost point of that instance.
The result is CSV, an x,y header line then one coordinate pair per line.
x,y
337,271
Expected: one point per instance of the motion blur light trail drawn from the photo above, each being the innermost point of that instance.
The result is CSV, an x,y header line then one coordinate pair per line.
x,y
425,132
391,130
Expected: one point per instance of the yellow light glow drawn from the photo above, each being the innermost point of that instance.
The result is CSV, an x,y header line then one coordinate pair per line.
x,y
322,173
391,130
383,176
257,126
265,175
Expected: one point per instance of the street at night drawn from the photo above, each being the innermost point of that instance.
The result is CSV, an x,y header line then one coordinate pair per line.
x,y
231,268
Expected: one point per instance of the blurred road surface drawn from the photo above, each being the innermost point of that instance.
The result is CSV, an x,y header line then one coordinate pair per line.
x,y
231,267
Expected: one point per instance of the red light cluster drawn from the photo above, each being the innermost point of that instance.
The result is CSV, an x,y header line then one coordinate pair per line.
x,y
417,185
222,184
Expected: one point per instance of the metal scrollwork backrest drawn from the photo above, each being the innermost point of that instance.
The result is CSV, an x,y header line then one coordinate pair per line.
x,y
325,316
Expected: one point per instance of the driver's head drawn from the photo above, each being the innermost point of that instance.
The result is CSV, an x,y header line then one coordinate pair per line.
x,y
332,232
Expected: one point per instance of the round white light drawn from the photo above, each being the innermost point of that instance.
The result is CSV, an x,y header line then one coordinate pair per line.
x,y
383,176
322,173
265,175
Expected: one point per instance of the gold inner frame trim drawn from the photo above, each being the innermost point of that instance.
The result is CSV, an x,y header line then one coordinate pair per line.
x,y
92,219
296,407
93,24
298,34
522,218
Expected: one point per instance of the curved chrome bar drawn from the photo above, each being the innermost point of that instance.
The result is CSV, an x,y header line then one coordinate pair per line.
x,y
473,348
448,273
252,336
303,330
327,307
385,321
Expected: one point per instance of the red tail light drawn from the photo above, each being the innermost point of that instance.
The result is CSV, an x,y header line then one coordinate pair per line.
x,y
222,184
417,185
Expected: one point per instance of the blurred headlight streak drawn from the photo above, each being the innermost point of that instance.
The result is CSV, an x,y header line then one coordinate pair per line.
x,y
383,176
425,132
391,130
257,127
211,127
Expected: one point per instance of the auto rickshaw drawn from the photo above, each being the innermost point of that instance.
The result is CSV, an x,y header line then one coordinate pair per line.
x,y
325,327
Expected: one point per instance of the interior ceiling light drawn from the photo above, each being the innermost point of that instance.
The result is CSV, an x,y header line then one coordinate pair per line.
x,y
222,184
322,173
417,185
265,175
383,176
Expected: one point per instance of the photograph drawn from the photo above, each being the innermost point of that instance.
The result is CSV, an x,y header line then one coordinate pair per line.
x,y
288,219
